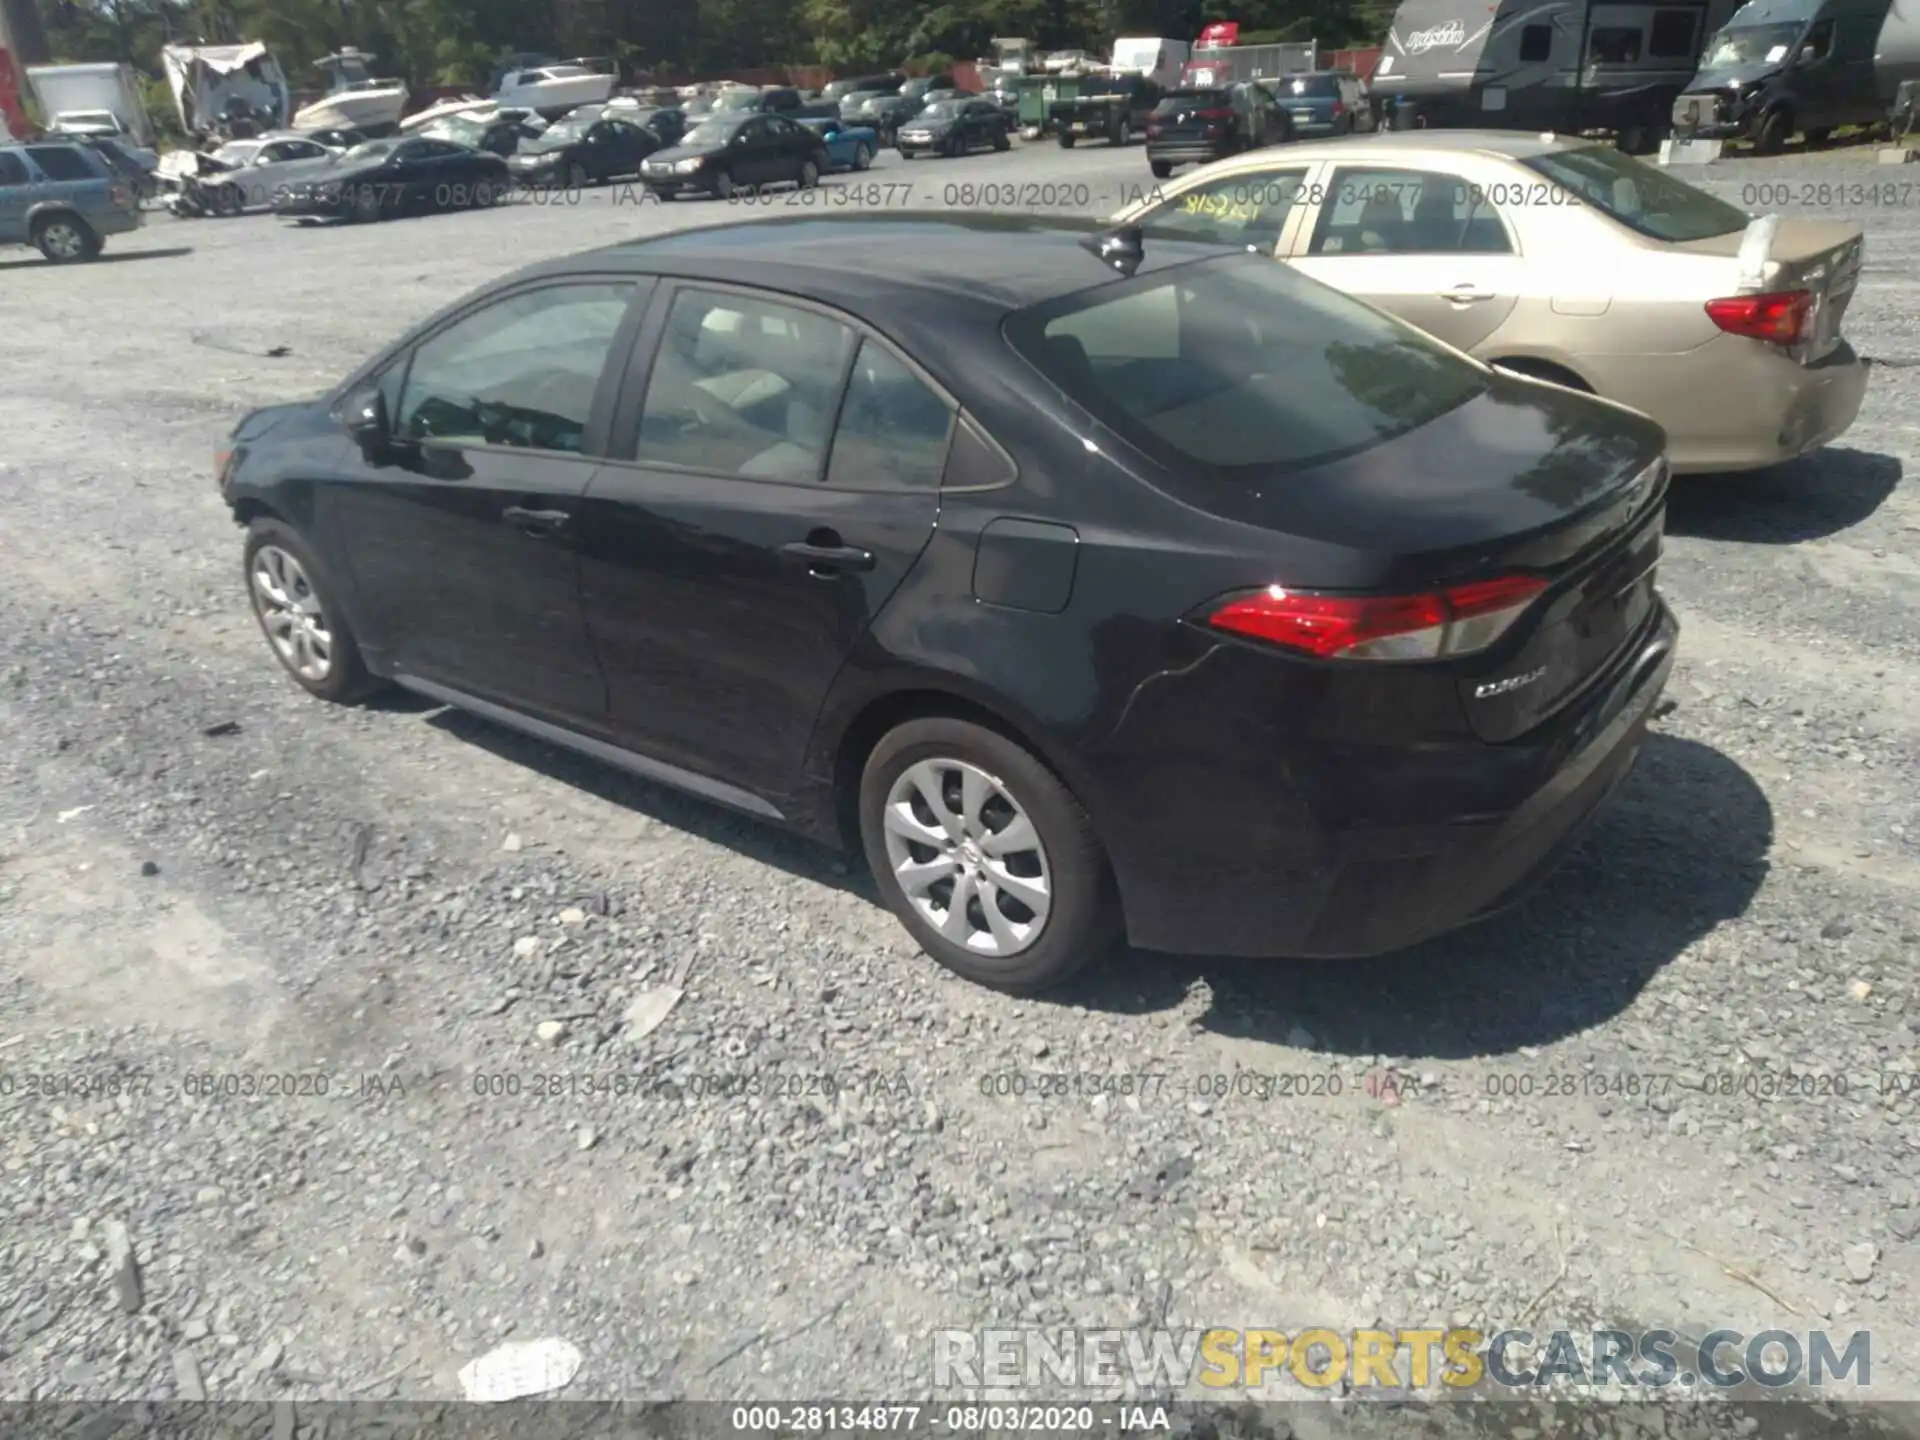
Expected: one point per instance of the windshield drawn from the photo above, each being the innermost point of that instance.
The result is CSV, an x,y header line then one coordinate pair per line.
x,y
1243,366
371,153
736,100
1193,100
709,133
1752,45
1639,196
460,129
942,110
238,153
563,131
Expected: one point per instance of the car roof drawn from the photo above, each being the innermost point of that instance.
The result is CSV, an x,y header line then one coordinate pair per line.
x,y
1409,144
988,264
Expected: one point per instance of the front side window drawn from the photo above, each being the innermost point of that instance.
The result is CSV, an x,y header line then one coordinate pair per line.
x,y
1644,199
1241,210
1242,367
1406,212
520,373
744,386
1671,36
893,429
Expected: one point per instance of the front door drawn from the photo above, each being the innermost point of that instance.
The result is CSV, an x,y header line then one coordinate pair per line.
x,y
732,564
16,197
1422,244
463,545
1247,209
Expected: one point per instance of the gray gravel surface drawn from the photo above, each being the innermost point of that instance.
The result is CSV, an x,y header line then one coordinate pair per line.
x,y
205,874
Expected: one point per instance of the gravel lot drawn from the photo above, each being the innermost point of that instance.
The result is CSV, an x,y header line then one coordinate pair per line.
x,y
205,873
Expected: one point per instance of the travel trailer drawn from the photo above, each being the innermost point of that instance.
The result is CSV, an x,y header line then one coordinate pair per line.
x,y
99,99
1564,65
1781,68
1154,58
356,100
226,89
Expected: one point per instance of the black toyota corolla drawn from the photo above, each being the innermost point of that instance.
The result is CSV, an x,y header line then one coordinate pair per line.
x,y
1090,587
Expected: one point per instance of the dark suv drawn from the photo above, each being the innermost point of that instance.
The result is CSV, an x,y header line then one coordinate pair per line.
x,y
1326,102
63,199
1191,127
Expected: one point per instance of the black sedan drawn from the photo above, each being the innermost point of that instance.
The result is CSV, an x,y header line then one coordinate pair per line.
x,y
953,127
726,153
1089,585
405,176
590,149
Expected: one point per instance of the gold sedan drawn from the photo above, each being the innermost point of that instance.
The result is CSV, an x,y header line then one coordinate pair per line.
x,y
1568,262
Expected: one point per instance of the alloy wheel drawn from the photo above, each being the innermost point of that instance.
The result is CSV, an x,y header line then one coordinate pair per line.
x,y
62,240
968,857
291,614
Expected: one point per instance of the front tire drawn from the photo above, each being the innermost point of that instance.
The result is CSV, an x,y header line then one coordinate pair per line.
x,y
367,206
809,174
862,156
1776,128
986,857
296,604
723,184
65,239
577,177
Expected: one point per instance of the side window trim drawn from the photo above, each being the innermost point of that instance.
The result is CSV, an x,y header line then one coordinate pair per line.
x,y
593,446
624,439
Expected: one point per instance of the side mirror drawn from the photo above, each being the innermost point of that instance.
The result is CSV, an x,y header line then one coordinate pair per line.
x,y
1123,249
1808,54
369,424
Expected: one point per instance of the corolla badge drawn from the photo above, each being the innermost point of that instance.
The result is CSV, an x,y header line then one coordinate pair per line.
x,y
1452,33
1508,685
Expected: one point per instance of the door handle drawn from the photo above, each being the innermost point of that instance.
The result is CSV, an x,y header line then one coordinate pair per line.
x,y
535,522
827,560
1465,295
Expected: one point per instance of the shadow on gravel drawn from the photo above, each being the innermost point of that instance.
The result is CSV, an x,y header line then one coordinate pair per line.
x,y
1806,499
755,839
1682,847
109,257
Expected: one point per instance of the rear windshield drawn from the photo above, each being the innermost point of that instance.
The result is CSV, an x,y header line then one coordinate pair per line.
x,y
1324,86
1242,366
1639,196
1193,100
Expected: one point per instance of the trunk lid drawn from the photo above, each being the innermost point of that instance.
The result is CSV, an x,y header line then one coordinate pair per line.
x,y
1777,253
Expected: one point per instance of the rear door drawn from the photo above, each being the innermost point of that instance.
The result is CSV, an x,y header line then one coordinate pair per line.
x,y
773,478
69,176
1423,244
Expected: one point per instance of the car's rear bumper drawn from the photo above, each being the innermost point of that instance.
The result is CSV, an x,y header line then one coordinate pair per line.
x,y
1270,878
1187,153
1735,403
116,222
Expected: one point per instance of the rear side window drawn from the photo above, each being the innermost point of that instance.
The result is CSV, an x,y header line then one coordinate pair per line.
x,y
1614,45
1672,35
13,170
59,162
1536,43
1242,366
893,430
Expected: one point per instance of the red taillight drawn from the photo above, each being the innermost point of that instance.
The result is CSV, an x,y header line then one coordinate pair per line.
x,y
1339,108
119,195
1779,318
222,464
1456,621
1153,128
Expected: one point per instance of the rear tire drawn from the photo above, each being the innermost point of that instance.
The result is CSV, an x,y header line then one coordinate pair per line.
x,y
1001,143
1819,135
1123,136
1066,142
1161,168
65,239
1546,370
1776,128
270,544
1066,862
